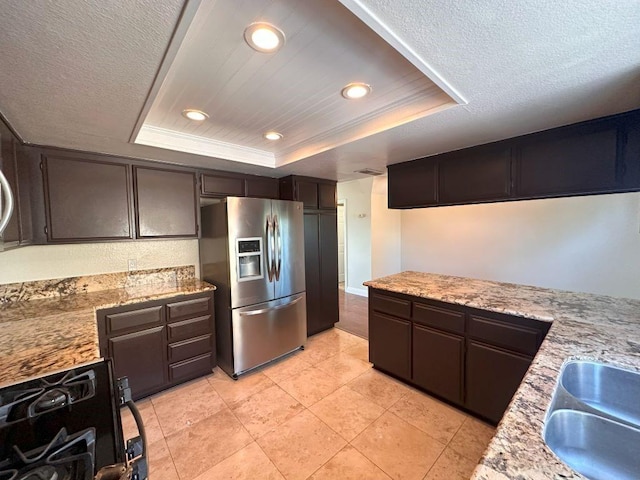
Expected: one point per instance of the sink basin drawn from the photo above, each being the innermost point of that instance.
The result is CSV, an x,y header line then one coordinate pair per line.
x,y
601,389
593,421
596,447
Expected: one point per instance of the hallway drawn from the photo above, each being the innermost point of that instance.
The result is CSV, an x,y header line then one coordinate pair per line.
x,y
353,313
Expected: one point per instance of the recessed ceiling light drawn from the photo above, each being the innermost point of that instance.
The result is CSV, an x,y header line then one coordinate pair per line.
x,y
272,135
356,90
196,115
264,37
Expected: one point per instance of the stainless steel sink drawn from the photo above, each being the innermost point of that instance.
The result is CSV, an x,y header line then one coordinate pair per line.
x,y
596,447
593,421
611,391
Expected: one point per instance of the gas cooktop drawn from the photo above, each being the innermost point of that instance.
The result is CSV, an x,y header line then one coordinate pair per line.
x,y
66,426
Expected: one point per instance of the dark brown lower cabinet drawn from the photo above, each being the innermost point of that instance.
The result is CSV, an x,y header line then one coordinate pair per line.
x,y
160,343
472,358
390,344
137,356
438,362
493,376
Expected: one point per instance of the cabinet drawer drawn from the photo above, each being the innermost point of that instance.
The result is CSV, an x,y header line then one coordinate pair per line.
x,y
188,308
193,327
391,305
440,318
191,368
145,317
510,336
189,348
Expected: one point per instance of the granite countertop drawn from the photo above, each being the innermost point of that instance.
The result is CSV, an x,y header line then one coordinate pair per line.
x,y
50,325
585,326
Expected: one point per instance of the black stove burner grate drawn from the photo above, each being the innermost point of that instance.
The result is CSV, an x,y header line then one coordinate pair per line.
x,y
63,458
28,401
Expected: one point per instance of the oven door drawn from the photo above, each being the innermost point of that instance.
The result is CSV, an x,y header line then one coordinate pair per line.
x,y
72,414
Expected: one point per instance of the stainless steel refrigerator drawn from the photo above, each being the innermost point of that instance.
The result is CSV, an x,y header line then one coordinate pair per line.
x,y
252,250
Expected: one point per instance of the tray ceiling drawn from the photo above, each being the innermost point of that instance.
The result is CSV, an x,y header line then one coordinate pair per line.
x,y
78,73
295,91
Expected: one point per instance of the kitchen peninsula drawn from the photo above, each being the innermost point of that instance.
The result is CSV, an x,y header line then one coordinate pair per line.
x,y
51,324
583,326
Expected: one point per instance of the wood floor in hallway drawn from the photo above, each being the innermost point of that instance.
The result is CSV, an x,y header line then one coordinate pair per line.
x,y
353,313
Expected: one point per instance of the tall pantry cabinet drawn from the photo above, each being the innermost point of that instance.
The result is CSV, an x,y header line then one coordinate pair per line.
x,y
318,197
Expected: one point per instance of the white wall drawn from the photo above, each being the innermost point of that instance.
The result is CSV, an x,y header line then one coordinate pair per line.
x,y
588,244
385,228
57,261
357,194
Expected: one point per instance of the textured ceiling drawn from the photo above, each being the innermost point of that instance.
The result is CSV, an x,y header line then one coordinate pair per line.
x,y
77,73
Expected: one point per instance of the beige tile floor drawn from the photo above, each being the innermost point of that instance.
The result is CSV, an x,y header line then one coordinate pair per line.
x,y
321,413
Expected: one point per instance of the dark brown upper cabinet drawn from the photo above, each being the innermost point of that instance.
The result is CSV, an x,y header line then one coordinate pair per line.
x,y
307,193
413,184
594,157
327,196
226,184
486,175
86,200
218,186
314,193
166,203
576,160
263,187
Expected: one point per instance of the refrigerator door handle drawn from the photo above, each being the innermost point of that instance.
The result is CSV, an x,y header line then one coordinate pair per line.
x,y
277,238
269,248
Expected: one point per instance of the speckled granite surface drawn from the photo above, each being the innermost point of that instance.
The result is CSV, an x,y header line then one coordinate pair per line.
x,y
585,326
20,292
46,334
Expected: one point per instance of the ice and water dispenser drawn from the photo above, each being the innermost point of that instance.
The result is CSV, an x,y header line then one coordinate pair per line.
x,y
249,258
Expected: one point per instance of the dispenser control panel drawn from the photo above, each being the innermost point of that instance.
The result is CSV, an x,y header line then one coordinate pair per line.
x,y
249,258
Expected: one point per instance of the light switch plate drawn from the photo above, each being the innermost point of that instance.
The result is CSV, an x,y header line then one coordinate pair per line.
x,y
133,264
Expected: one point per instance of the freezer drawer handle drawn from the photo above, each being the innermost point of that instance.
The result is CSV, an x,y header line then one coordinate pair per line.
x,y
265,310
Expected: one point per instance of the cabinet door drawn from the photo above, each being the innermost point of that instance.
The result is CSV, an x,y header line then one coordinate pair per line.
x,y
86,200
492,377
473,177
413,184
390,344
307,193
581,160
140,356
438,362
327,196
329,268
312,272
222,186
263,187
165,203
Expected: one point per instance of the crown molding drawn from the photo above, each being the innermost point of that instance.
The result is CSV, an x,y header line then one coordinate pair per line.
x,y
184,142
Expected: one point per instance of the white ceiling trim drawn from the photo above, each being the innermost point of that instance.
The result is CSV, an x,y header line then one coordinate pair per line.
x,y
362,127
184,142
378,26
182,27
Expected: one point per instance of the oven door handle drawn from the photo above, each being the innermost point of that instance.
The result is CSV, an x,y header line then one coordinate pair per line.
x,y
136,446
